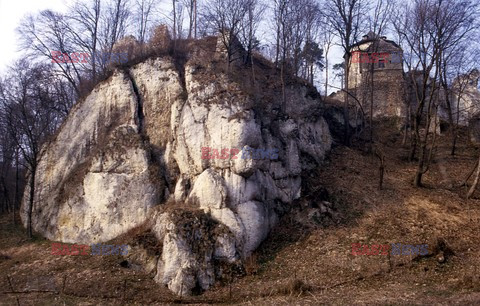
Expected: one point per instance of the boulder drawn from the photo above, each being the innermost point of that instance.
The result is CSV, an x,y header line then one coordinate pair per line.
x,y
136,143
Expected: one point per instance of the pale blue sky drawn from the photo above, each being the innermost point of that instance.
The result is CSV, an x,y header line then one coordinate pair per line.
x,y
11,12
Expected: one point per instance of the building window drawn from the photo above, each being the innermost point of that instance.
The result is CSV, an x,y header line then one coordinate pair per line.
x,y
381,64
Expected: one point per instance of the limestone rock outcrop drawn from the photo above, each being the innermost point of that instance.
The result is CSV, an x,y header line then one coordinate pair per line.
x,y
181,133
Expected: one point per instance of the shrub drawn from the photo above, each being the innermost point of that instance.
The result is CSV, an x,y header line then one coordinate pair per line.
x,y
294,286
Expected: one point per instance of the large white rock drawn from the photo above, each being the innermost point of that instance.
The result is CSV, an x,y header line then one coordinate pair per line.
x,y
136,141
190,243
232,221
93,181
209,190
257,219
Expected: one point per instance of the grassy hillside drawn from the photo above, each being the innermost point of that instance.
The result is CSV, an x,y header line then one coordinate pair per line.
x,y
307,259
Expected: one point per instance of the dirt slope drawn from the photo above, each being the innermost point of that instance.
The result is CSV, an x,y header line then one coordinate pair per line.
x,y
307,259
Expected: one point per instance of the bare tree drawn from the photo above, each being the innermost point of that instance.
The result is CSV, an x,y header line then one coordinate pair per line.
x,y
296,34
29,116
378,22
296,21
11,172
85,29
191,6
339,70
297,51
455,64
347,18
430,28
143,17
327,42
114,25
312,54
227,18
416,25
249,27
47,32
174,12
281,13
7,162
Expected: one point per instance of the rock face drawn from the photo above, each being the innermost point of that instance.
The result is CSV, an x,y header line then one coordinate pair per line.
x,y
140,140
466,96
334,116
93,182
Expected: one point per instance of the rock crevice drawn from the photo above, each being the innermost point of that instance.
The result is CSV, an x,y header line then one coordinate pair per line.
x,y
140,114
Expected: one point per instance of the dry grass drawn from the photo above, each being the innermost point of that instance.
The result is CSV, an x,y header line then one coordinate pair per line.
x,y
251,264
294,287
309,263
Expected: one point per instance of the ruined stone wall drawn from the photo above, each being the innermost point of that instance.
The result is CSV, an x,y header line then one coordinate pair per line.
x,y
389,87
388,92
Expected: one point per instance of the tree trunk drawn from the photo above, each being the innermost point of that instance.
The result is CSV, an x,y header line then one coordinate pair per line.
x,y
277,43
282,77
417,181
326,69
174,26
254,84
453,129
5,207
415,136
455,134
345,106
475,182
16,200
407,122
469,174
190,26
371,104
454,142
195,18
381,169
